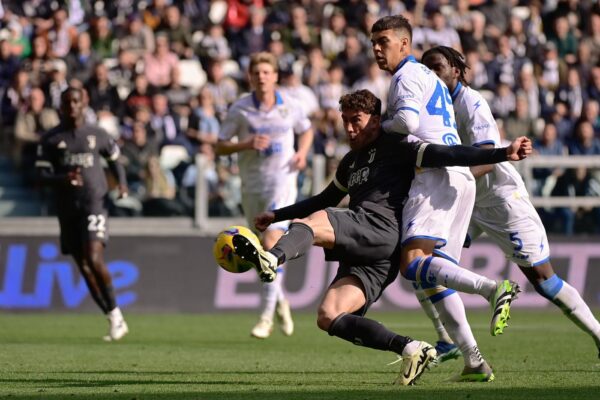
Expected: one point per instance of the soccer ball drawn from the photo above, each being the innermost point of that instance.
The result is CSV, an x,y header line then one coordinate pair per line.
x,y
224,252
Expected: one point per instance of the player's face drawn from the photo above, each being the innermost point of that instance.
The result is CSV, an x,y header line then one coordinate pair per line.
x,y
442,68
361,128
390,47
263,78
72,104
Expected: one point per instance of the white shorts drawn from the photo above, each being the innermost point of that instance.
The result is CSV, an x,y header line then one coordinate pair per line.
x,y
439,207
516,227
255,203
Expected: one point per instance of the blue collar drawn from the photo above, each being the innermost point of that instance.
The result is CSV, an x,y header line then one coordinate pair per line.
x,y
278,100
409,58
456,90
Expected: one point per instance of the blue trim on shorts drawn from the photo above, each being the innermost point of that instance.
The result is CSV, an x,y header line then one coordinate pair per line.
x,y
446,256
437,297
550,287
545,260
437,239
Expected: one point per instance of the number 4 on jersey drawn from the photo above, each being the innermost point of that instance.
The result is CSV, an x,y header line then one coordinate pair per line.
x,y
438,102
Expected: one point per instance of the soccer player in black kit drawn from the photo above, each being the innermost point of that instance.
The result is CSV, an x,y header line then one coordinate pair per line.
x,y
364,238
69,160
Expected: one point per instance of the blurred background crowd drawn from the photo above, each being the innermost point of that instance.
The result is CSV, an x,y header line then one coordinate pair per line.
x,y
160,75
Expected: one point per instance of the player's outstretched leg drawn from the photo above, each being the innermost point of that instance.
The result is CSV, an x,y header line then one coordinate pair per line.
x,y
284,316
500,302
481,373
264,262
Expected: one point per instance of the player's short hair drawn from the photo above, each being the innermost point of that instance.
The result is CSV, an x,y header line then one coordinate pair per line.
x,y
263,57
455,59
361,100
395,22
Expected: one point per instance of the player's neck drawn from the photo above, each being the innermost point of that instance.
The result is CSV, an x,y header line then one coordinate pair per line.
x,y
74,123
266,99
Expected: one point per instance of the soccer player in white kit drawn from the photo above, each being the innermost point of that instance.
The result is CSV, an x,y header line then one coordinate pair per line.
x,y
437,212
502,206
265,123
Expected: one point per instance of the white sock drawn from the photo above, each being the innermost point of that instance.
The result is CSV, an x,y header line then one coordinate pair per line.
x,y
433,315
270,293
573,306
115,314
452,313
439,271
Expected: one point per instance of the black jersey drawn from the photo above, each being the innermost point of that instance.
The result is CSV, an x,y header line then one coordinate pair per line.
x,y
377,178
62,150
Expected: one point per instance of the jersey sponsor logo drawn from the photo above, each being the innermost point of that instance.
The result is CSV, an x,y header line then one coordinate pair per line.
x,y
62,145
450,139
481,127
85,160
91,142
372,155
352,165
359,177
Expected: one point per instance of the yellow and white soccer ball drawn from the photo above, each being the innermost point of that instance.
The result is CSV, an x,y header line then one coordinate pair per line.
x,y
224,252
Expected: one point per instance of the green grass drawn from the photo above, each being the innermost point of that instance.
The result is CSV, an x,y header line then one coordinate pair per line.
x,y
542,355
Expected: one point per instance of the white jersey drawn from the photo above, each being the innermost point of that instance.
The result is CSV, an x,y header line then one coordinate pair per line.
x,y
269,170
476,127
415,88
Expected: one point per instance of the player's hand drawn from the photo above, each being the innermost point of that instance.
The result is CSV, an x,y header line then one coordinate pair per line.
x,y
258,142
519,149
123,192
263,220
298,161
74,178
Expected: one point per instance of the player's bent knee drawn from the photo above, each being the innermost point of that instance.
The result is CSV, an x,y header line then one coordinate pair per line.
x,y
325,317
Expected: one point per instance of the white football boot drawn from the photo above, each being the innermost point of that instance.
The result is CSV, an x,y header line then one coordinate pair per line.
x,y
263,328
117,326
284,317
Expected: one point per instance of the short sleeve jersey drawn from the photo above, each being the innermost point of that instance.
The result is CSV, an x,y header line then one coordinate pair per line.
x,y
476,127
378,177
63,149
268,170
415,88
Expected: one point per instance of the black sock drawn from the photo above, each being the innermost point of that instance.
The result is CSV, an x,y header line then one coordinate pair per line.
x,y
109,297
294,243
98,300
366,332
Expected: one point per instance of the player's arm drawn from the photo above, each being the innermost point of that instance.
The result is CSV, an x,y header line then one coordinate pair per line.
x,y
434,156
46,173
404,112
111,153
231,126
305,140
480,170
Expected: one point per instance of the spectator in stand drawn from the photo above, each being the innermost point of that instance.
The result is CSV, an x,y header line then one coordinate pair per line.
x,y
153,15
253,38
30,124
572,93
121,76
82,59
376,81
505,66
551,67
61,34
215,45
104,97
139,38
204,125
315,72
57,84
299,37
519,123
353,60
593,39
290,84
440,34
333,37
177,29
591,113
504,102
16,97
560,117
164,124
593,88
135,154
223,88
39,64
140,96
476,75
20,45
285,59
161,190
103,42
564,39
584,143
10,65
158,66
538,98
547,145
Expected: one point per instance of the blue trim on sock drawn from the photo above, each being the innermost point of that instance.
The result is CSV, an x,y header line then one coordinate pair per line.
x,y
279,270
425,285
437,297
411,271
550,287
425,268
446,256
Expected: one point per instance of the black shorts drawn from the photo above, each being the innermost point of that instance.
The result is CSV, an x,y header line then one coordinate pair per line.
x,y
361,237
375,277
79,226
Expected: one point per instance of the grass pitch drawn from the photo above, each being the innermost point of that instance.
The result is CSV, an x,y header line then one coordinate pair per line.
x,y
542,355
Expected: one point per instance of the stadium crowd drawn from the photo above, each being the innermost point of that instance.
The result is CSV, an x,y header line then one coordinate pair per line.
x,y
159,77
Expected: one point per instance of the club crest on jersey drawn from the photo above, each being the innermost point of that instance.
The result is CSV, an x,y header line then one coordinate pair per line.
x,y
372,155
284,112
91,142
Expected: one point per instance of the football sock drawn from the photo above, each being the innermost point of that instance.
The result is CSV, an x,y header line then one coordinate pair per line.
x,y
109,296
97,297
451,311
439,271
572,305
270,293
432,313
367,332
294,243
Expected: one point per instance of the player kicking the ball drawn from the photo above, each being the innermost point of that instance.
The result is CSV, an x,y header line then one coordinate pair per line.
x,y
365,238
